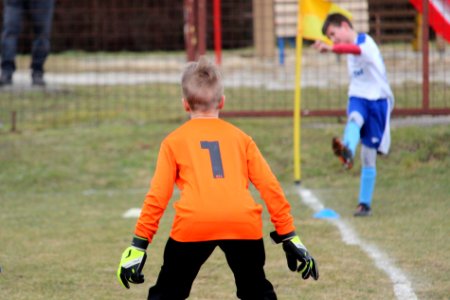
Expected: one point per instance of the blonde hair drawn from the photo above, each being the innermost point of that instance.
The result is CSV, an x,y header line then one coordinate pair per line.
x,y
202,85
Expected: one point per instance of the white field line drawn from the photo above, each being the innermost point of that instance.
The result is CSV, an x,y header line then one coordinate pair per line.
x,y
402,286
132,213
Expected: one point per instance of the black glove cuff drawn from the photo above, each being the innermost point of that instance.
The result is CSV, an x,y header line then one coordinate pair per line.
x,y
276,238
139,242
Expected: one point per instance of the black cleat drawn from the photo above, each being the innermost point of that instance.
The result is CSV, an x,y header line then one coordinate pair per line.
x,y
363,210
343,153
37,79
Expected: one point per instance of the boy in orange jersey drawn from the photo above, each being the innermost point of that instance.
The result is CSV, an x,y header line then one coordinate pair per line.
x,y
212,163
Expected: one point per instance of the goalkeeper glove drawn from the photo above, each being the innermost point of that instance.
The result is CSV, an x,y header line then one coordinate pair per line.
x,y
296,252
132,262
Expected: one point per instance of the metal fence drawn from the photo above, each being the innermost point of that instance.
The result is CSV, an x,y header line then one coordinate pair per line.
x,y
122,59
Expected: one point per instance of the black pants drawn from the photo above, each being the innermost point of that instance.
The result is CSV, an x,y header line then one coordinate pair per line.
x,y
182,262
41,13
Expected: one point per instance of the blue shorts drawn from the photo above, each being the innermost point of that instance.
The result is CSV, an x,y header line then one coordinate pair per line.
x,y
375,132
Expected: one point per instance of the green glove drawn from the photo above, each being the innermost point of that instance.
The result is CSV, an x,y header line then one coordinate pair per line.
x,y
297,252
132,262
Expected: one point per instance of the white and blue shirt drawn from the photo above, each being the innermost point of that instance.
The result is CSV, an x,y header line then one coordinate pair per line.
x,y
367,72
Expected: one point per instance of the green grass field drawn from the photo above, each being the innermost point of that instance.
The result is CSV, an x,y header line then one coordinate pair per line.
x,y
67,105
63,192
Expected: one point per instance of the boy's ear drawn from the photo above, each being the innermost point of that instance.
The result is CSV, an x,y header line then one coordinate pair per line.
x,y
221,102
186,105
345,25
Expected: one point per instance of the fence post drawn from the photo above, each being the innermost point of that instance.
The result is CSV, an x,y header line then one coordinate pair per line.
x,y
263,28
13,121
425,57
217,12
201,27
190,30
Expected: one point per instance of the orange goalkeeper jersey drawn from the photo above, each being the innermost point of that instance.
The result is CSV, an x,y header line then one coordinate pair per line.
x,y
212,163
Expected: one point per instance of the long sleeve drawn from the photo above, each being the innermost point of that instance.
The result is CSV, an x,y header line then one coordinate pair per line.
x,y
159,194
347,49
270,190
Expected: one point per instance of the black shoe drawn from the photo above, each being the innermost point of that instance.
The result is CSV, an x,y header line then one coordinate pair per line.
x,y
37,79
342,152
363,210
5,79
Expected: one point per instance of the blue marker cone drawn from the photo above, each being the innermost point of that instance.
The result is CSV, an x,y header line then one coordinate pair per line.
x,y
326,213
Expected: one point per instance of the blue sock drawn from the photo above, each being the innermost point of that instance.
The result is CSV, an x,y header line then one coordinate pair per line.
x,y
351,136
367,185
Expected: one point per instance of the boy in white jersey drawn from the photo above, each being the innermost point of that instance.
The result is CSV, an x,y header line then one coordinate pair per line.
x,y
369,106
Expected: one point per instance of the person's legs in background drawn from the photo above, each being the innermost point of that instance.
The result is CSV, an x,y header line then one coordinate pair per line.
x,y
41,13
12,23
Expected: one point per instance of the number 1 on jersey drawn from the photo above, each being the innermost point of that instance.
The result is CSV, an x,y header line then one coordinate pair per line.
x,y
216,159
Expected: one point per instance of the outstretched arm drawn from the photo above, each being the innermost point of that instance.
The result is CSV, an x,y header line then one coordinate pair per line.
x,y
338,49
270,190
346,49
322,47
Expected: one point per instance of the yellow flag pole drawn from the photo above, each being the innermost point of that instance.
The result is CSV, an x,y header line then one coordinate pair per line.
x,y
297,96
